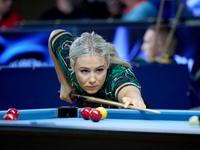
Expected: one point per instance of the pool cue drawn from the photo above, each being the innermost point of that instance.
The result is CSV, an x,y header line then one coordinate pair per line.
x,y
171,33
157,28
107,102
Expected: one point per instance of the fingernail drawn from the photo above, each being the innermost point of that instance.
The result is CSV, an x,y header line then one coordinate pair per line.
x,y
125,106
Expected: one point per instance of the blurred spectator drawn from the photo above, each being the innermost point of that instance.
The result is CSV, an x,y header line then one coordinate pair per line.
x,y
147,48
65,9
136,10
103,10
148,42
82,9
8,17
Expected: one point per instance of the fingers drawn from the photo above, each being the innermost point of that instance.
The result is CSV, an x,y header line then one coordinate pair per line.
x,y
65,97
128,101
64,93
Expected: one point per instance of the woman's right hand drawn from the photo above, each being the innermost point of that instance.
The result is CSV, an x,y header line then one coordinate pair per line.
x,y
65,90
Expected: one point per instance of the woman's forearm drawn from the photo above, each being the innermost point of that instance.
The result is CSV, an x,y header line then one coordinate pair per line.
x,y
66,87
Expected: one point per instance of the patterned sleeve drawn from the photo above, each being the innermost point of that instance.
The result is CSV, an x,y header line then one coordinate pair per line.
x,y
128,79
123,78
61,41
60,44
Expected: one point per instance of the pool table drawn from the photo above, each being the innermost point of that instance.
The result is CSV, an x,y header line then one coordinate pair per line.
x,y
64,128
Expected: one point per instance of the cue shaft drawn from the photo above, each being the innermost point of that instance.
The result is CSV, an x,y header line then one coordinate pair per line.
x,y
171,33
158,23
112,103
107,102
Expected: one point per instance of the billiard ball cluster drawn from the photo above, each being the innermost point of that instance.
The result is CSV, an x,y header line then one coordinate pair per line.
x,y
95,115
194,121
12,114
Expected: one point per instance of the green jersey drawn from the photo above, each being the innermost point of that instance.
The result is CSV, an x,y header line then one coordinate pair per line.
x,y
117,76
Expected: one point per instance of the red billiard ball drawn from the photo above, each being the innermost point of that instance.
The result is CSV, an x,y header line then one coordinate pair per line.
x,y
85,113
95,115
9,117
14,112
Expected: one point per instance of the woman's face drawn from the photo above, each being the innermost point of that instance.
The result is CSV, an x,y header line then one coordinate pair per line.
x,y
91,72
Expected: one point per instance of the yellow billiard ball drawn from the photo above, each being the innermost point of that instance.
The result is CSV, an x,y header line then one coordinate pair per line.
x,y
103,112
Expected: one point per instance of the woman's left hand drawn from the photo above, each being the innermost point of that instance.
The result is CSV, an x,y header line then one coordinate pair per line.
x,y
130,95
129,101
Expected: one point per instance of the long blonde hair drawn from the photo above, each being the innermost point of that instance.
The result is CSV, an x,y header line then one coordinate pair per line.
x,y
92,44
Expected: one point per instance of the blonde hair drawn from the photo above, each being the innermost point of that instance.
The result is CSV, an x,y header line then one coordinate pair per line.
x,y
92,44
114,57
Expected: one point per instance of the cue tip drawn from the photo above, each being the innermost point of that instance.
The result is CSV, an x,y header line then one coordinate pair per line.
x,y
144,109
159,112
153,111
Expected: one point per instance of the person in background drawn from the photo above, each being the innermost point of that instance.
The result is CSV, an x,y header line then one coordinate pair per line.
x,y
148,43
104,10
65,9
8,17
82,9
138,10
147,49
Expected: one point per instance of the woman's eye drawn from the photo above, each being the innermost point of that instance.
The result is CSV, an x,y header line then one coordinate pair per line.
x,y
99,70
84,71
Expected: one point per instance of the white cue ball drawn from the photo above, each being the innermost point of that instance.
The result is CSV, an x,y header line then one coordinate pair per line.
x,y
194,120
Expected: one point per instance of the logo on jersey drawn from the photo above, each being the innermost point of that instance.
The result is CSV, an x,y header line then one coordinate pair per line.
x,y
66,45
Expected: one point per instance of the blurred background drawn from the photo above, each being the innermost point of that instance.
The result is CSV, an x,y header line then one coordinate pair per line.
x,y
25,27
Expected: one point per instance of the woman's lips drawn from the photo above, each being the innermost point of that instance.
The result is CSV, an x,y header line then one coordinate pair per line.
x,y
91,87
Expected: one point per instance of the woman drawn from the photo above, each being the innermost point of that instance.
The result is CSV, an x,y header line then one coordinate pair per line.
x,y
88,65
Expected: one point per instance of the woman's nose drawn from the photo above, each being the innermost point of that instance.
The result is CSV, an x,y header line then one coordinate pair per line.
x,y
92,78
